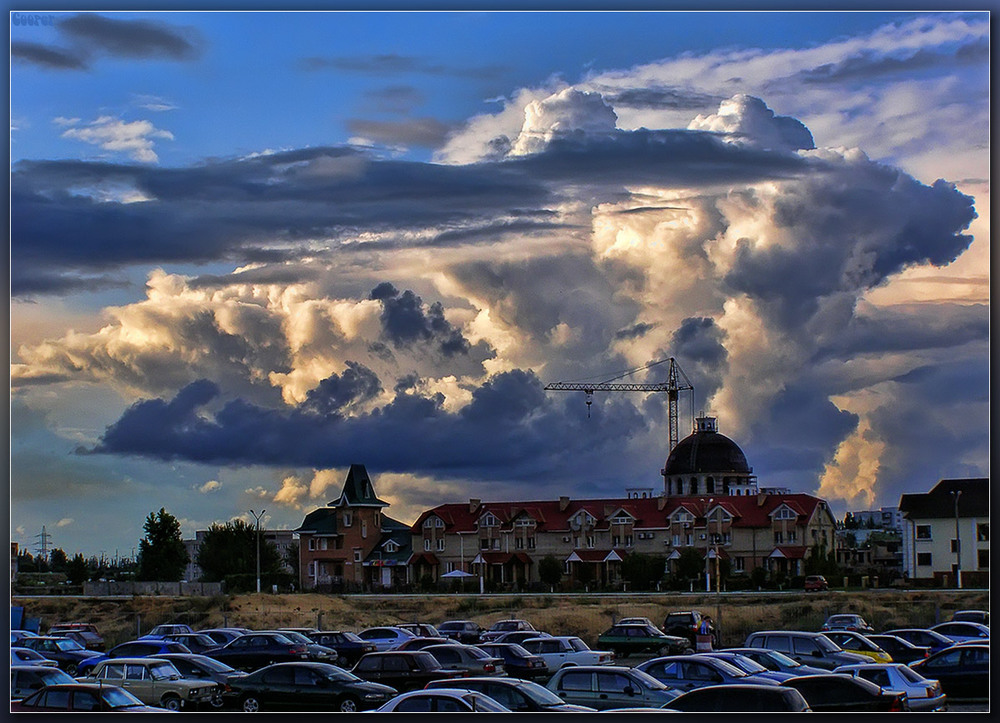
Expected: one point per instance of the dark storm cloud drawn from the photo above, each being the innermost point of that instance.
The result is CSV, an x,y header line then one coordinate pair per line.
x,y
698,346
405,322
358,383
424,132
393,64
46,56
130,38
529,436
869,65
635,331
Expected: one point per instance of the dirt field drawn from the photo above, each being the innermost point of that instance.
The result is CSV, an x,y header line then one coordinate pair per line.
x,y
584,615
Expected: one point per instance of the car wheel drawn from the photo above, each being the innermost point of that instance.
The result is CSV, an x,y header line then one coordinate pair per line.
x,y
251,704
348,705
170,702
217,701
342,661
71,669
688,651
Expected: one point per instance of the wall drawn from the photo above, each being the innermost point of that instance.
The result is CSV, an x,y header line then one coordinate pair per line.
x,y
204,589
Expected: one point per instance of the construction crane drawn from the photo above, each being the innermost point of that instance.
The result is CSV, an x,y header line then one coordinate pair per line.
x,y
673,387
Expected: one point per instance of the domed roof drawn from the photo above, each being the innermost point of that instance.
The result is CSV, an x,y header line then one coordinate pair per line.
x,y
706,451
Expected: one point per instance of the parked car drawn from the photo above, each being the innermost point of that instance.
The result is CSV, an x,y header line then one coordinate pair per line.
x,y
847,621
519,636
860,644
90,639
959,632
687,624
421,642
442,700
464,631
255,650
154,681
316,652
687,672
815,583
349,646
469,658
385,637
27,656
971,616
520,696
749,666
167,629
838,693
201,667
740,698
26,679
902,651
921,694
962,670
82,697
504,626
224,635
814,649
635,621
517,662
403,670
777,662
305,631
609,686
135,649
68,654
17,635
560,651
625,640
923,637
421,630
195,642
310,686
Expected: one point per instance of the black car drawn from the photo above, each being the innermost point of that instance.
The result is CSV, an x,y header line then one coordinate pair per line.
x,y
317,652
202,667
403,670
902,651
421,642
308,685
505,626
963,670
224,635
348,646
740,698
520,696
687,624
464,631
141,648
255,650
922,637
82,698
196,642
517,662
838,693
89,640
67,653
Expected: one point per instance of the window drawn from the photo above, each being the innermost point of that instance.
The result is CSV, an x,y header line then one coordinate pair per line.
x,y
924,559
924,532
954,545
489,520
575,681
616,541
496,543
357,555
779,538
791,535
391,546
688,540
519,543
983,532
590,540
348,519
983,559
531,543
364,528
427,544
312,543
85,700
784,513
628,540
484,543
323,543
440,544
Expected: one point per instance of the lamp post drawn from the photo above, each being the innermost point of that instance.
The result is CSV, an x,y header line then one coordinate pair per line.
x,y
958,542
708,543
257,518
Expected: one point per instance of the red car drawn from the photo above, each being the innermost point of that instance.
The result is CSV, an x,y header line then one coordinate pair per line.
x,y
82,697
816,583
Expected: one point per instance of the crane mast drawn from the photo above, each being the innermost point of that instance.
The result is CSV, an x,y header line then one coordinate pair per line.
x,y
673,386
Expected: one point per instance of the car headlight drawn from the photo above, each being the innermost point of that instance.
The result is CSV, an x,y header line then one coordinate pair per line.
x,y
194,691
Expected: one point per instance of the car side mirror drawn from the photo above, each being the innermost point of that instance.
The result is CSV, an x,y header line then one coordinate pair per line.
x,y
817,654
629,691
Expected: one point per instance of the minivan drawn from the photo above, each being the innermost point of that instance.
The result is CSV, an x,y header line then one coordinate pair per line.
x,y
808,648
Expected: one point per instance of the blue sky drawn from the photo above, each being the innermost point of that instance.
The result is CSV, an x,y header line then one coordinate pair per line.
x,y
249,249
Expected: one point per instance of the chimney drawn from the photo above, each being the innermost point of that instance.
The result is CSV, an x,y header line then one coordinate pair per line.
x,y
474,505
563,503
761,498
661,502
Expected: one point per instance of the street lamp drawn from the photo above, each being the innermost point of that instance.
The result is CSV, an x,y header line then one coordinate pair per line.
x,y
958,542
257,518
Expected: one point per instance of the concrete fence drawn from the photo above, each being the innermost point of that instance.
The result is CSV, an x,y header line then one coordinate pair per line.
x,y
205,589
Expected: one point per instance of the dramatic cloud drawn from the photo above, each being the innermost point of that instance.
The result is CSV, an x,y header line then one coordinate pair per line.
x,y
424,132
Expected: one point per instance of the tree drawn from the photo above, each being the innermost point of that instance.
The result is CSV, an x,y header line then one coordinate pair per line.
x,y
642,571
162,555
57,560
690,564
77,570
231,549
550,570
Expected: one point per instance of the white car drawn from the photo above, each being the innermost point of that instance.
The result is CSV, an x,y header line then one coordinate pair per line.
x,y
442,700
923,694
560,651
636,621
385,637
27,656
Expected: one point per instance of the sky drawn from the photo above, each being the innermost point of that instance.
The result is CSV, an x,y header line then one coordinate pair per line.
x,y
249,249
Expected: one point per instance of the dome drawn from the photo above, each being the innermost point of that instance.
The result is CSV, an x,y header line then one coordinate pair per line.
x,y
706,451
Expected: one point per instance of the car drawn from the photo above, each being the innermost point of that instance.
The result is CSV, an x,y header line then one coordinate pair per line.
x,y
135,649
255,650
520,696
847,621
519,636
609,686
839,693
777,662
962,670
403,670
195,666
317,652
687,672
632,639
635,621
385,637
421,642
740,698
504,626
815,583
921,694
749,666
90,638
27,656
17,635
464,631
26,679
423,630
971,616
902,651
82,697
687,624
814,649
923,637
469,658
860,644
167,629
305,631
562,650
959,632
309,686
442,700
224,635
349,647
154,681
195,642
68,654
517,662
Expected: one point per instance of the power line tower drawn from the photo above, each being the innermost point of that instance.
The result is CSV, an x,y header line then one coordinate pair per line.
x,y
673,387
43,545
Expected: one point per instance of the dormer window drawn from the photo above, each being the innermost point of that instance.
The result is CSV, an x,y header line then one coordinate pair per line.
x,y
621,520
489,520
390,547
433,522
784,513
524,522
683,515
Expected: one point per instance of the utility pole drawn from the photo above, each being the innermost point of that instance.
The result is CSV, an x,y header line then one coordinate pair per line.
x,y
43,545
958,542
257,518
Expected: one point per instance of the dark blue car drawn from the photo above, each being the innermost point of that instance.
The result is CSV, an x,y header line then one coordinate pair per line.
x,y
923,637
348,646
141,648
70,656
517,662
687,672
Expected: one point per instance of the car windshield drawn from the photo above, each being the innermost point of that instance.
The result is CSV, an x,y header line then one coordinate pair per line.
x,y
163,671
450,626
281,639
680,619
826,645
55,676
910,674
296,637
67,644
483,703
353,637
505,625
540,694
578,644
477,653
783,660
214,665
646,680
728,668
745,664
117,698
335,673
